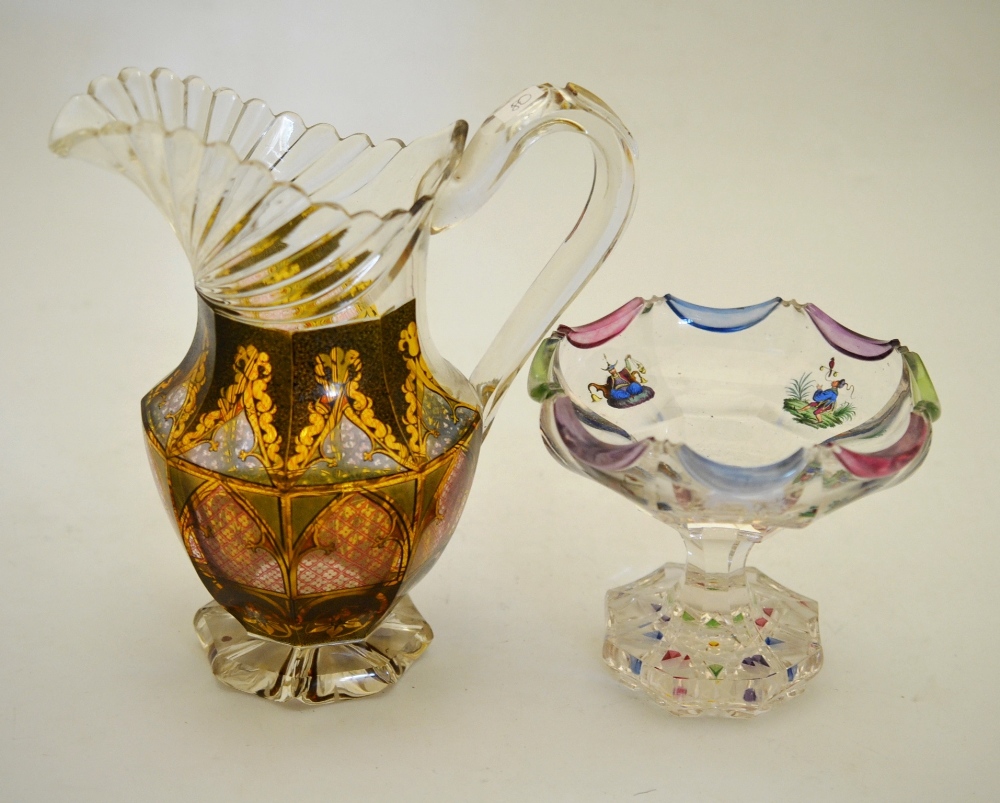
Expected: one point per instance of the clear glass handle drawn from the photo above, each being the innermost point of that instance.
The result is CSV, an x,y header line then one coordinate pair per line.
x,y
512,129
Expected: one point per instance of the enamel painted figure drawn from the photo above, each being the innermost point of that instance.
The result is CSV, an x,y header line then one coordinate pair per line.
x,y
622,388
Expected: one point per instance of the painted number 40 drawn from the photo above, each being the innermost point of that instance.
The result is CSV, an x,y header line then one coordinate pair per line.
x,y
517,104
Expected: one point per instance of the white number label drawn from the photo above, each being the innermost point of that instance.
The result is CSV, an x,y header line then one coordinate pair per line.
x,y
518,103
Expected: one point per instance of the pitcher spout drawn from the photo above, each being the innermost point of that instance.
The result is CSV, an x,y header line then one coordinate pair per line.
x,y
283,224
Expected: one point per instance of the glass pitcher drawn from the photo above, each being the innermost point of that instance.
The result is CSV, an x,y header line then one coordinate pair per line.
x,y
315,449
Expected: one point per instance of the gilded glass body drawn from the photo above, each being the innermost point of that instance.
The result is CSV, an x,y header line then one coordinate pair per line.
x,y
311,473
315,449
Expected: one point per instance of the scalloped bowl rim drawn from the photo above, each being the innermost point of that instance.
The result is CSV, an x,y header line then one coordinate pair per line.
x,y
606,457
459,129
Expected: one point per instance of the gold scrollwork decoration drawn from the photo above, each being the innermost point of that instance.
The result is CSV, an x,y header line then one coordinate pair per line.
x,y
339,375
418,380
179,419
247,395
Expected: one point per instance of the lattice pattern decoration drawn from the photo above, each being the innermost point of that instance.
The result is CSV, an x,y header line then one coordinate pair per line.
x,y
232,540
356,545
448,505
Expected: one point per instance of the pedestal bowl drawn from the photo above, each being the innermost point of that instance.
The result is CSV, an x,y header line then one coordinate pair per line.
x,y
727,424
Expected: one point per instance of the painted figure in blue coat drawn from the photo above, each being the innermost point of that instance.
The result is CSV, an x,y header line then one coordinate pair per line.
x,y
623,388
825,400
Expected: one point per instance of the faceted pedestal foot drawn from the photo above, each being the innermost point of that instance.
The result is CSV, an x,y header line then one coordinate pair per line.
x,y
324,673
735,662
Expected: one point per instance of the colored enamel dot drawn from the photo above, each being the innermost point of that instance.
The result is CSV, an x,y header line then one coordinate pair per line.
x,y
738,617
687,617
712,623
768,611
671,654
760,622
713,643
750,696
634,665
715,669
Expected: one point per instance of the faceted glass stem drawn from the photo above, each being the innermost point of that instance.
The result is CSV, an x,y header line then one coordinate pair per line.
x,y
715,578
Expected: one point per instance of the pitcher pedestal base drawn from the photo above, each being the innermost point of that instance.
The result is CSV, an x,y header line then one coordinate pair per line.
x,y
737,661
325,673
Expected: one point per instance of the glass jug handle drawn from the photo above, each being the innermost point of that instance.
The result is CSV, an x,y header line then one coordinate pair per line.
x,y
509,132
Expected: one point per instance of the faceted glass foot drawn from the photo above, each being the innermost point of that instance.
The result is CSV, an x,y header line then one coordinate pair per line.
x,y
324,673
738,661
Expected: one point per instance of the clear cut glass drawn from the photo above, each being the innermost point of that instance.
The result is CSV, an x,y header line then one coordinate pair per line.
x,y
727,424
314,448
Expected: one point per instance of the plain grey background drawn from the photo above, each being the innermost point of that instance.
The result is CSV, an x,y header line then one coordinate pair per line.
x,y
840,153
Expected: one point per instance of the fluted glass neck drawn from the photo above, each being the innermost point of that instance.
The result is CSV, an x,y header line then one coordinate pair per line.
x,y
282,223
